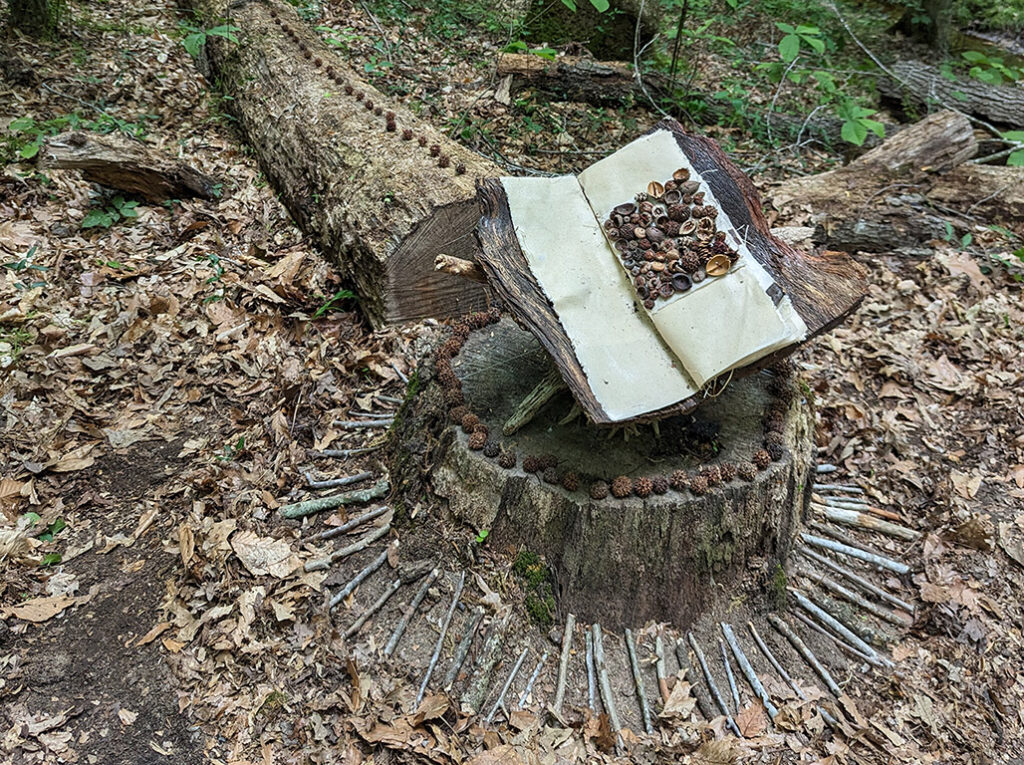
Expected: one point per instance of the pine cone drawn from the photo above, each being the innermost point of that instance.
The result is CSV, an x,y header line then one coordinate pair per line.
x,y
469,422
507,459
622,487
773,437
643,487
679,480
699,485
454,397
570,481
747,471
477,441
531,464
456,413
449,349
728,471
548,461
551,475
492,449
598,490
775,451
659,484
762,459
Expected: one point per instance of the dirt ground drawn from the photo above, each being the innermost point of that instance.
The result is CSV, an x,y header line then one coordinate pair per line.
x,y
165,379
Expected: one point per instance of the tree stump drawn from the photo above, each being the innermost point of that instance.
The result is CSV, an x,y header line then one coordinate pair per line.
x,y
620,560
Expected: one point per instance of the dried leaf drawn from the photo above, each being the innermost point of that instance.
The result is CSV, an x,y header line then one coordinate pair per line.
x,y
264,555
680,700
752,720
40,609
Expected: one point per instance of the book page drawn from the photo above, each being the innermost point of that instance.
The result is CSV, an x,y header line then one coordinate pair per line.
x,y
628,366
722,322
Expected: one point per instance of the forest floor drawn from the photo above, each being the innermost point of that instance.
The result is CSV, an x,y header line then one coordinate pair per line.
x,y
164,379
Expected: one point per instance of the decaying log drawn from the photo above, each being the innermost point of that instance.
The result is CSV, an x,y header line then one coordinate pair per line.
x,y
382,207
129,166
863,206
924,84
576,78
994,191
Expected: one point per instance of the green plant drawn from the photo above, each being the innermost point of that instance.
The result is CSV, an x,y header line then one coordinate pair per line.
x,y
25,265
232,451
115,210
215,279
797,37
331,304
599,5
481,536
521,47
196,37
990,69
27,134
857,122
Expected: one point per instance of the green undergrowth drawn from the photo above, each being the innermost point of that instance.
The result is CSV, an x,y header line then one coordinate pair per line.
x,y
537,583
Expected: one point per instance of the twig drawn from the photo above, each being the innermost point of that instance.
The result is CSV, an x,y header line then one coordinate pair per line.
x,y
637,53
785,675
389,415
591,675
893,617
390,399
855,552
383,35
862,521
605,684
400,373
333,483
356,424
506,686
440,638
563,661
638,683
730,677
712,685
840,534
533,679
313,506
1014,146
403,623
775,98
839,487
358,579
463,650
858,580
352,523
825,468
377,605
345,453
686,667
748,670
319,564
808,655
485,662
845,647
837,626
659,668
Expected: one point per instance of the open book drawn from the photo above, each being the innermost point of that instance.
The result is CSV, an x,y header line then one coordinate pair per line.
x,y
646,322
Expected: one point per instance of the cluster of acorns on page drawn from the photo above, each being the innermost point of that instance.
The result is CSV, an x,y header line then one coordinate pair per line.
x,y
668,239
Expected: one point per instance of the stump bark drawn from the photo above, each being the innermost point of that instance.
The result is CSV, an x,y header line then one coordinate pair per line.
x,y
666,557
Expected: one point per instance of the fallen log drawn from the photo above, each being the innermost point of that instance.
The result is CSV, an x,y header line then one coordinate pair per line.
x,y
997,192
862,206
922,84
380,191
129,166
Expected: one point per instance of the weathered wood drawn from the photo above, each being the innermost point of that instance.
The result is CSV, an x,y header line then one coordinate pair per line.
x,y
576,78
129,166
993,191
923,84
824,288
380,206
623,561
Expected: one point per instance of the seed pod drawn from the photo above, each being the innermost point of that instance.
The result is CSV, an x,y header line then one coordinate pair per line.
x,y
690,262
671,185
681,175
570,481
435,150
477,441
469,423
655,235
648,304
762,459
359,96
643,487
655,189
689,187
712,473
679,480
699,485
705,227
622,487
747,471
531,464
681,283
679,213
407,135
422,141
379,111
348,90
728,471
598,490
551,475
443,161
643,244
698,276
718,265
317,62
507,459
390,127
646,207
672,197
672,228
456,413
639,232
659,484
666,291
625,209
492,449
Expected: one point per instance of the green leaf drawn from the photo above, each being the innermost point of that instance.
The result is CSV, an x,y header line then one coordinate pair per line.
x,y
803,29
785,28
22,123
815,42
50,559
29,150
1016,159
874,126
33,518
1013,135
789,47
949,231
825,80
854,132
570,5
227,31
600,5
194,43
966,239
973,56
95,218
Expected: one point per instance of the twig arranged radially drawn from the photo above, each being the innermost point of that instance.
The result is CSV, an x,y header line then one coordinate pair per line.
x,y
486,660
840,534
409,612
533,679
377,606
801,648
748,670
845,647
591,675
837,626
311,506
357,424
712,685
358,579
563,661
825,468
898,618
352,523
840,487
857,580
463,649
440,638
686,667
334,483
860,520
638,683
507,685
345,453
784,674
659,668
730,678
362,543
855,552
603,683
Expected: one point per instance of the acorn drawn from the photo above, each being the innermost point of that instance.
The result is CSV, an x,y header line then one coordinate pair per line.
x,y
492,449
622,487
679,480
531,464
659,484
762,459
643,487
477,441
728,471
598,490
507,459
551,475
469,422
712,474
456,413
746,470
699,485
570,481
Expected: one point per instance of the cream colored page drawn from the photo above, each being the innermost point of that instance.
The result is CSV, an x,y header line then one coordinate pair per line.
x,y
629,368
720,323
